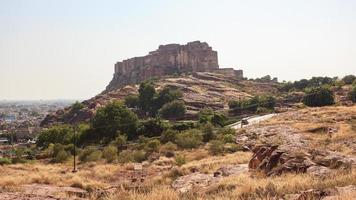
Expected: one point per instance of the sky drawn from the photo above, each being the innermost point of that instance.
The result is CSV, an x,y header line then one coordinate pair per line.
x,y
66,49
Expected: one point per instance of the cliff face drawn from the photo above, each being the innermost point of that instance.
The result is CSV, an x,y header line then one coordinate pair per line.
x,y
166,60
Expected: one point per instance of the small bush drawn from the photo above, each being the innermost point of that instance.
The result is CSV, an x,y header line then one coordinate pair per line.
x,y
190,138
352,94
110,154
139,156
218,119
168,149
173,110
125,157
131,101
208,132
152,127
216,147
228,138
5,161
226,131
180,160
168,135
153,146
120,141
185,125
61,156
90,154
316,97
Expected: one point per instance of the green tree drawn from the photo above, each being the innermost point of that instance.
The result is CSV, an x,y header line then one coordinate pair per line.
x,y
62,134
166,95
146,96
349,79
320,96
131,101
173,110
114,118
267,101
352,94
152,127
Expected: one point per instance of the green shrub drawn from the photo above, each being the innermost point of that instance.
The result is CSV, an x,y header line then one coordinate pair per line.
x,y
168,149
216,147
120,141
139,156
349,79
168,135
153,146
228,138
173,110
112,119
110,154
125,156
189,138
226,131
152,127
90,154
316,97
267,101
180,160
166,95
62,134
352,94
218,119
61,156
184,125
205,115
5,161
131,101
262,110
146,96
208,132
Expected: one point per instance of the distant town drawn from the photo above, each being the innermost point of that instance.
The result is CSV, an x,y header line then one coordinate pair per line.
x,y
20,120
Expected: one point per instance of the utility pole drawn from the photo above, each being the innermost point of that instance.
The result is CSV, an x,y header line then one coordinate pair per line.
x,y
74,149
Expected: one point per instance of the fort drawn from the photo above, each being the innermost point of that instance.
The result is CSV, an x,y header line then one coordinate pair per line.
x,y
168,60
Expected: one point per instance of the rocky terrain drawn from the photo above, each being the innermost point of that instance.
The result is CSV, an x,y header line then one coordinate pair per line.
x,y
300,154
200,90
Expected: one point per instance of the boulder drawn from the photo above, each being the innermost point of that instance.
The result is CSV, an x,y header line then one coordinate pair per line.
x,y
192,181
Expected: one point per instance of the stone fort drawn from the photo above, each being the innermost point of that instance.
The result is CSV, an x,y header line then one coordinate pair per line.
x,y
168,60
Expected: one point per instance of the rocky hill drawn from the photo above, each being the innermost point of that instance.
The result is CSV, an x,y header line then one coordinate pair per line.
x,y
200,90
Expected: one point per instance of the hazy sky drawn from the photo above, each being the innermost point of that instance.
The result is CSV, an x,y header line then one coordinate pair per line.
x,y
67,48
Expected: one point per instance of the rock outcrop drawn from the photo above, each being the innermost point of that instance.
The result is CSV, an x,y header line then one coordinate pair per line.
x,y
167,60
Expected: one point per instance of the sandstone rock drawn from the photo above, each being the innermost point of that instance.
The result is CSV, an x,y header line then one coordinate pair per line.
x,y
319,171
196,180
168,59
231,170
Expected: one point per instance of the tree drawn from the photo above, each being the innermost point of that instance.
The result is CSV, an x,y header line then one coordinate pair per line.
x,y
167,95
173,110
267,101
114,118
62,134
352,94
320,96
131,101
152,127
146,96
349,79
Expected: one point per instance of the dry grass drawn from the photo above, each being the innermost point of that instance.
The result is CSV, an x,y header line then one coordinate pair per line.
x,y
211,163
